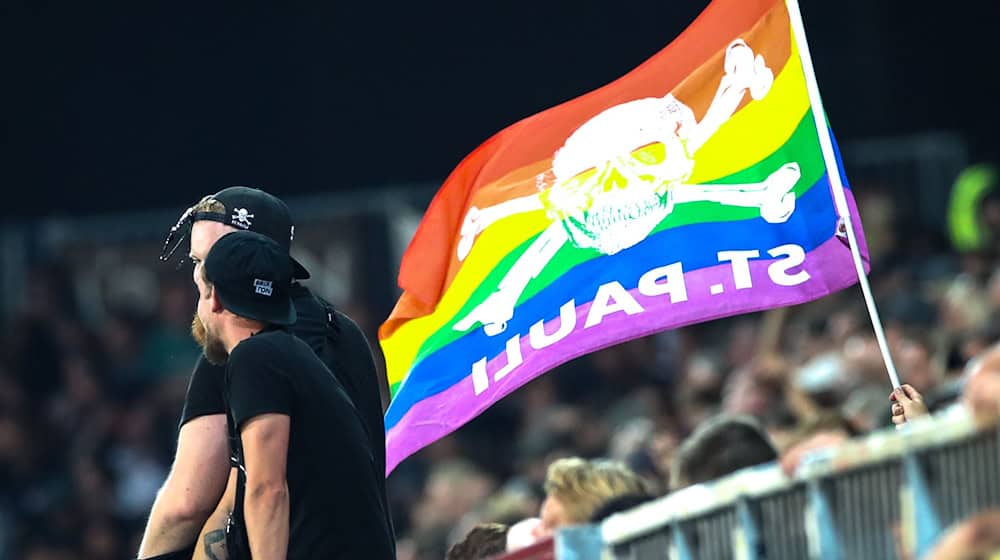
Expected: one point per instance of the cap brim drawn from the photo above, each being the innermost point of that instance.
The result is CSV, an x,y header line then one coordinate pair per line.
x,y
299,272
278,312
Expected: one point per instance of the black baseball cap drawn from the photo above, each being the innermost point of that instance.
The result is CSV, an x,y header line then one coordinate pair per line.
x,y
252,275
247,209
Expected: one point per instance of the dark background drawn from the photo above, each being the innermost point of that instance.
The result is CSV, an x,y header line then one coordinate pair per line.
x,y
111,106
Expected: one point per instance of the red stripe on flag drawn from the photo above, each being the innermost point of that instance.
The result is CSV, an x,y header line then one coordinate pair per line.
x,y
424,268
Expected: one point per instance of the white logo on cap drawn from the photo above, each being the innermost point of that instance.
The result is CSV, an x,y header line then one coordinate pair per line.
x,y
263,287
241,218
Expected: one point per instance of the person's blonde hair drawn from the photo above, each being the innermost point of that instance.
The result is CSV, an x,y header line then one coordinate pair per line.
x,y
582,486
209,204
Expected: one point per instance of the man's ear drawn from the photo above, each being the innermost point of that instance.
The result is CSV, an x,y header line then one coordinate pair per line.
x,y
216,302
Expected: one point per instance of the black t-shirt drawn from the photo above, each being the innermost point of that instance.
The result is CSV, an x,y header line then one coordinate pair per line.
x,y
339,343
336,507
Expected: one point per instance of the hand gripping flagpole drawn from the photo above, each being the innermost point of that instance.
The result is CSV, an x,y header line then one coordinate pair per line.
x,y
833,172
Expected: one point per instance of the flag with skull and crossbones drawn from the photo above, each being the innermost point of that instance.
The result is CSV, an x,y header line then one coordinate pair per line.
x,y
620,174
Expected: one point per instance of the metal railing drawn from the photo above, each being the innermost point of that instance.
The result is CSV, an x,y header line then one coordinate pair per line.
x,y
879,497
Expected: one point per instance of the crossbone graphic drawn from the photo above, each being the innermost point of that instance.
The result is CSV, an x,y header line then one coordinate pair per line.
x,y
620,174
242,217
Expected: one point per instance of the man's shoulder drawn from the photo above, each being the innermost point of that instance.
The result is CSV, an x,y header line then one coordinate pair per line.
x,y
348,324
316,315
264,344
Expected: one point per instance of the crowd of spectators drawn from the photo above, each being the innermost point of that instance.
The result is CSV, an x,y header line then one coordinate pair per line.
x,y
88,420
693,404
89,410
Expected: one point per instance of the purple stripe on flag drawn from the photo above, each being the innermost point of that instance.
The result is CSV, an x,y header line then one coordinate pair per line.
x,y
830,268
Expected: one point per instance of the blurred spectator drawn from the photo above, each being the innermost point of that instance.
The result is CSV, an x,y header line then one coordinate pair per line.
x,y
138,470
782,425
980,393
825,380
865,409
915,360
618,504
39,550
575,488
521,534
453,488
824,431
101,540
514,501
483,541
701,388
168,349
723,445
977,536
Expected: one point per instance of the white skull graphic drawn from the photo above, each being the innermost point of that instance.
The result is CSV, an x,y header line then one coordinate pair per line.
x,y
241,218
640,150
621,173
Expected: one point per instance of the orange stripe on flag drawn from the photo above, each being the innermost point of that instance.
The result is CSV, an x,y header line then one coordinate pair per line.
x,y
526,147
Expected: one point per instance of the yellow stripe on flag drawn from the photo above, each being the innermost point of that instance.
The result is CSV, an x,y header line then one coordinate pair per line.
x,y
758,129
492,245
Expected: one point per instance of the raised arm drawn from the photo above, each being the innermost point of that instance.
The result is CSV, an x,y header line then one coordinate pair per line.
x,y
192,489
265,504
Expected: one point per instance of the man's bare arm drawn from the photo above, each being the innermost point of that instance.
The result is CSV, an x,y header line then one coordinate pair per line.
x,y
265,503
211,543
193,488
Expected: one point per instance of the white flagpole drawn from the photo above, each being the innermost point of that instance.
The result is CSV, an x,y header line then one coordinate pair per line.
x,y
833,171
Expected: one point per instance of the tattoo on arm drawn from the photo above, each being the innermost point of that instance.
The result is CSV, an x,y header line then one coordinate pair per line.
x,y
215,537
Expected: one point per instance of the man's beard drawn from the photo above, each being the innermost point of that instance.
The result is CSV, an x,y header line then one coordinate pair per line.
x,y
212,346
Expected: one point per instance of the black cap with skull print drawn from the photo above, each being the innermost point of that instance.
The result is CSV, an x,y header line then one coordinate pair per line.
x,y
244,208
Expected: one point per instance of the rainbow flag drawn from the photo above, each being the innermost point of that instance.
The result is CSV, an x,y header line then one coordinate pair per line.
x,y
692,188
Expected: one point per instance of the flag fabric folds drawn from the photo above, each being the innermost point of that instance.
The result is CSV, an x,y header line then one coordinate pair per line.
x,y
690,189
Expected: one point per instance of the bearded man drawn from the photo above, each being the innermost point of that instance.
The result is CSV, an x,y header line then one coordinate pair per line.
x,y
202,463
